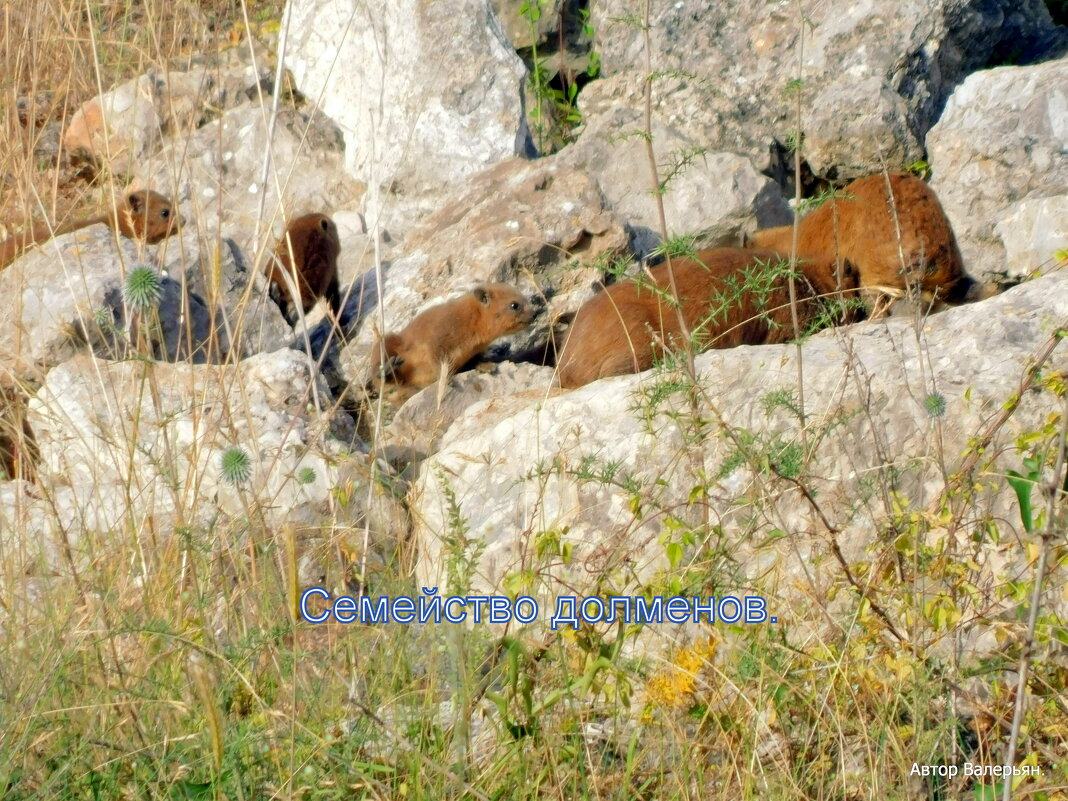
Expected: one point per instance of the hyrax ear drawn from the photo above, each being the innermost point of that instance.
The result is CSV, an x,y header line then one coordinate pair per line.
x,y
390,345
482,295
135,201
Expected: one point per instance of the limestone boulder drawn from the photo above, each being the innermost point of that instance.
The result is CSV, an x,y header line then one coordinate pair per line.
x,y
417,428
410,126
592,491
136,445
1034,234
67,296
715,197
222,182
874,76
118,127
1002,140
538,225
122,126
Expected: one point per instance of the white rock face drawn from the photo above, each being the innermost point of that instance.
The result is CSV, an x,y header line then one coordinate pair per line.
x,y
538,225
124,442
56,289
1033,232
711,196
604,473
67,296
224,160
875,74
426,94
120,126
1002,139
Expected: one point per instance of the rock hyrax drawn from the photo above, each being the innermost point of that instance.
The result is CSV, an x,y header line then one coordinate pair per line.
x,y
728,297
305,259
449,334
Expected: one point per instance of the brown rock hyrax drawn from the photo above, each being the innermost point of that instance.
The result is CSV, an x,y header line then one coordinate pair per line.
x,y
447,336
143,214
893,229
728,297
305,260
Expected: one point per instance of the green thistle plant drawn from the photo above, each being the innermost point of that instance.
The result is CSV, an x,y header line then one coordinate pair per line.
x,y
142,289
305,475
236,466
935,404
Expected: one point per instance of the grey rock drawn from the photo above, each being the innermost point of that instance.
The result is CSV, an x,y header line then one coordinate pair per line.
x,y
1034,234
122,441
726,68
68,294
119,128
712,196
604,470
521,31
222,184
1002,139
418,426
853,125
410,126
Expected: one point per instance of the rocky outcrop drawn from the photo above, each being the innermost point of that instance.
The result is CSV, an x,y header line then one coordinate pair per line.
x,y
122,443
999,149
715,198
436,150
223,184
886,70
1034,233
67,295
605,473
410,126
417,429
540,226
126,124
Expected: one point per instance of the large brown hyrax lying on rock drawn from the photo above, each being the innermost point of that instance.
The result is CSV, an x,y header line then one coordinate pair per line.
x,y
143,214
893,229
728,297
445,337
305,259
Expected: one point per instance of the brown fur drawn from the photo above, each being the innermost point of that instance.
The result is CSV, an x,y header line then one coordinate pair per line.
x,y
625,328
311,246
860,226
450,334
144,215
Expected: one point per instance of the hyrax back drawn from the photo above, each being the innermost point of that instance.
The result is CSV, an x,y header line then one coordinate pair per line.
x,y
892,228
307,255
450,334
728,297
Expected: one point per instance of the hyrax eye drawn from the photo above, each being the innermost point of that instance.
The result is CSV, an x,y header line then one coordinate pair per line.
x,y
514,305
165,213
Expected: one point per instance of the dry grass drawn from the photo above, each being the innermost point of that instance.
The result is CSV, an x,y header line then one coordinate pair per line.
x,y
57,54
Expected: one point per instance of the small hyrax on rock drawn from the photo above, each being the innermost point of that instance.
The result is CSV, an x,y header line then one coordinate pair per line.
x,y
143,214
893,229
305,260
445,337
